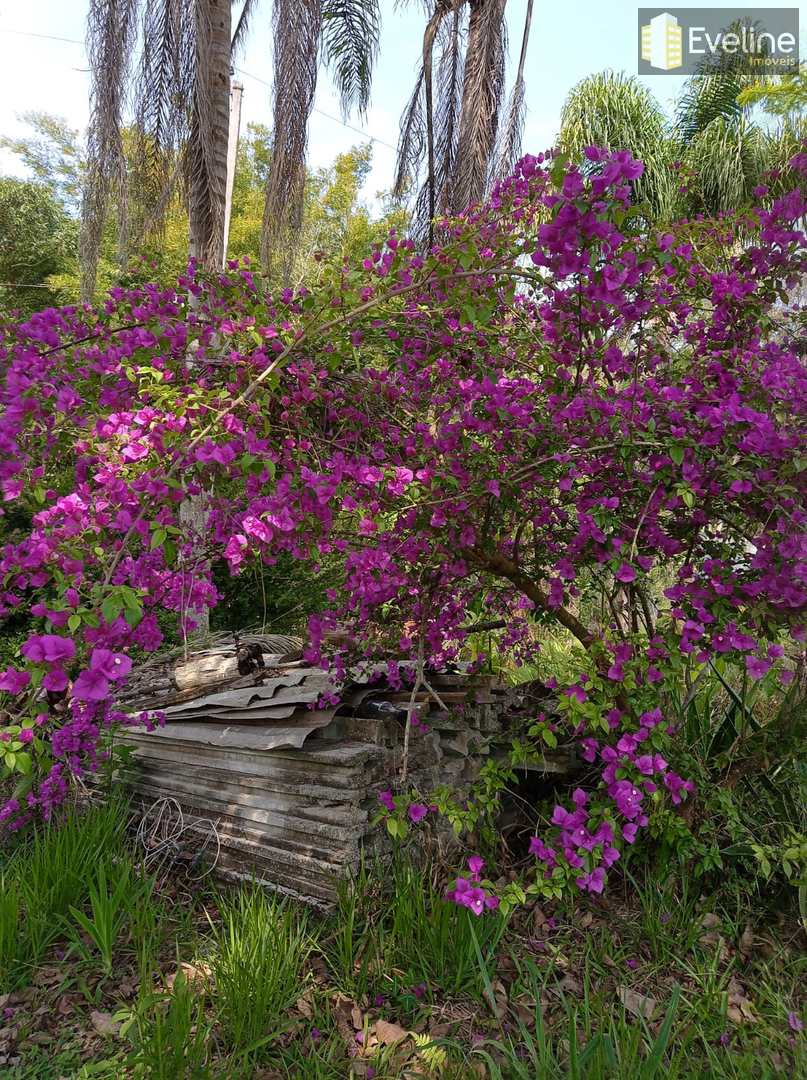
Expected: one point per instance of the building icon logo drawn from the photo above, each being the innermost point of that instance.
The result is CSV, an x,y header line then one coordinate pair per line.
x,y
662,42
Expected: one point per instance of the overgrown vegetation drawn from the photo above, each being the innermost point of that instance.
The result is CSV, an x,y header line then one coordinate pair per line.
x,y
157,979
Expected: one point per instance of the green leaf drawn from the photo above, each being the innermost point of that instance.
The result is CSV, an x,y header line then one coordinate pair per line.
x,y
677,454
158,537
24,763
74,622
111,608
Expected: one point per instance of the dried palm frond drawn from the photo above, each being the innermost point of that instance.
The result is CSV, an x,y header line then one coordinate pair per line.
x,y
509,145
482,92
446,112
297,26
411,141
163,91
350,33
242,26
111,32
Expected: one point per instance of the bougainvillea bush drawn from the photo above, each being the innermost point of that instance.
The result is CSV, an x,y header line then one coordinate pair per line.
x,y
559,415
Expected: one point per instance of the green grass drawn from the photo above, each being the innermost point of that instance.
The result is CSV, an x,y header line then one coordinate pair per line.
x,y
297,995
259,948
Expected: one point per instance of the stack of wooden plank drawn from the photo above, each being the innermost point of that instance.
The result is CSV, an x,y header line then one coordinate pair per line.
x,y
291,786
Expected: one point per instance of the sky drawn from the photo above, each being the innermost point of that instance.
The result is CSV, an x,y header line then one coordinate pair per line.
x,y
568,41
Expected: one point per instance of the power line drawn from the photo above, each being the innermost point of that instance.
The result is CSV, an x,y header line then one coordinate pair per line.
x,y
20,285
328,116
46,37
249,75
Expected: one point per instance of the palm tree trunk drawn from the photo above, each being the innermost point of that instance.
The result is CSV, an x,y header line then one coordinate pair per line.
x,y
207,152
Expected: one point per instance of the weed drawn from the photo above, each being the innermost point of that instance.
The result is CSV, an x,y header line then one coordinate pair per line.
x,y
259,950
169,1034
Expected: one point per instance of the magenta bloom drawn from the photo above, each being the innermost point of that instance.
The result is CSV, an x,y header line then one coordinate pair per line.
x,y
386,799
757,667
795,1022
625,573
476,864
417,812
113,666
13,681
55,680
48,649
91,686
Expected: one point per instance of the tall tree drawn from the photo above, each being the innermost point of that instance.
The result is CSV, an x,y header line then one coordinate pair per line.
x,y
707,159
177,87
452,120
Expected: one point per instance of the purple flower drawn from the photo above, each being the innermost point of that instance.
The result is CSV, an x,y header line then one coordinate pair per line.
x,y
55,680
91,686
476,864
625,573
593,882
113,666
417,812
48,649
795,1022
13,681
316,1034
386,799
757,667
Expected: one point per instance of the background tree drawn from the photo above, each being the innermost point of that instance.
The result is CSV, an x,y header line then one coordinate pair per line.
x,y
37,240
178,87
452,119
708,159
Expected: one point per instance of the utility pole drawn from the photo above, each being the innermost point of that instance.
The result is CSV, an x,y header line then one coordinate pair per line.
x,y
236,93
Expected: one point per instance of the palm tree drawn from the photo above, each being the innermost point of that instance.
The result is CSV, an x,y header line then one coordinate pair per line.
x,y
617,112
708,159
178,86
454,124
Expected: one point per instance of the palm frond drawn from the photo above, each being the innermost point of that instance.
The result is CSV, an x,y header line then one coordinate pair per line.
x,y
509,145
242,26
350,33
296,25
163,91
727,161
714,89
482,92
411,141
617,112
446,106
111,32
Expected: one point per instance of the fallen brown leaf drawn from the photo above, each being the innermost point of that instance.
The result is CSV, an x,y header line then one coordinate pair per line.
x,y
710,921
387,1033
197,976
636,1003
104,1024
304,1008
571,985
